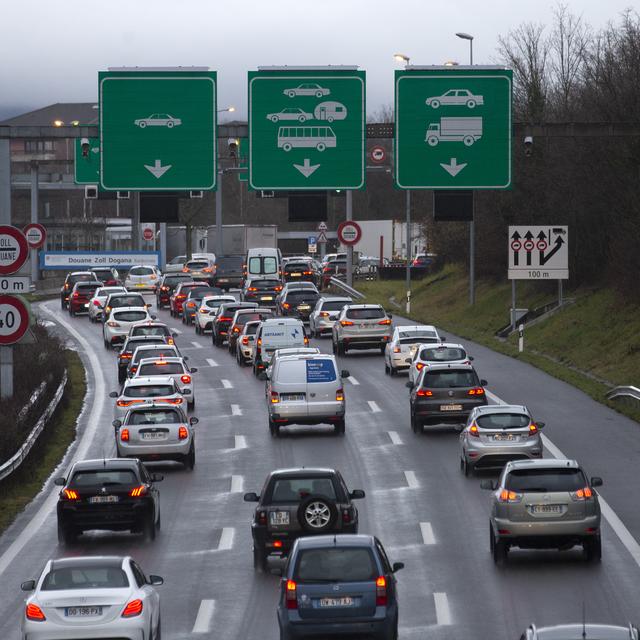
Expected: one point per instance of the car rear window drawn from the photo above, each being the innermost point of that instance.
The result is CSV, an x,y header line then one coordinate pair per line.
x,y
134,342
365,314
297,489
88,286
140,271
333,305
149,391
103,477
442,354
336,564
302,296
197,264
266,265
172,281
201,292
85,577
130,316
157,416
165,369
107,291
229,263
127,301
243,318
103,273
292,371
297,266
450,379
503,421
160,352
151,331
419,339
261,285
545,480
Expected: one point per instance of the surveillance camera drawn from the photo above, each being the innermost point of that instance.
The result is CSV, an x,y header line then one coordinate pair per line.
x,y
85,146
233,143
528,145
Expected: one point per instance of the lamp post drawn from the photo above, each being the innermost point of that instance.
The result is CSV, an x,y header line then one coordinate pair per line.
x,y
230,109
472,230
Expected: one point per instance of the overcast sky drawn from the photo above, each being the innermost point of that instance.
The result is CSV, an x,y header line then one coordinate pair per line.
x,y
51,51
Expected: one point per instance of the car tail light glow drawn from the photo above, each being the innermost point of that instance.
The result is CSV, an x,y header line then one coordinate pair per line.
x,y
278,288
424,392
185,379
96,303
181,296
385,321
224,319
275,398
124,435
236,329
112,323
204,310
397,349
306,341
474,431
170,400
277,544
127,403
585,493
286,305
477,391
191,305
292,595
262,517
133,608
324,314
76,295
185,269
419,366
138,492
509,496
346,323
245,340
340,395
533,429
70,494
346,516
34,612
381,592
308,273
163,288
207,270
183,432
252,289
126,355
259,342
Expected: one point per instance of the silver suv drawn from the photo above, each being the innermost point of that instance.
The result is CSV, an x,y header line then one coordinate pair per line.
x,y
544,504
361,326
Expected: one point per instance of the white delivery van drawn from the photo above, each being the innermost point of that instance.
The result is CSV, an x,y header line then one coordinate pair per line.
x,y
263,263
276,333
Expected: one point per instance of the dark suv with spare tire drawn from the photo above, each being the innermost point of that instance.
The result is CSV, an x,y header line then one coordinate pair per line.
x,y
300,502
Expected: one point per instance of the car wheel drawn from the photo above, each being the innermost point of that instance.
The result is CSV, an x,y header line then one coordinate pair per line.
x,y
468,141
386,368
149,530
593,549
183,319
465,466
259,559
392,371
340,428
435,104
471,104
159,630
341,349
106,344
499,549
317,514
383,348
62,304
122,376
416,427
66,535
190,459
197,329
218,341
274,429
239,358
191,405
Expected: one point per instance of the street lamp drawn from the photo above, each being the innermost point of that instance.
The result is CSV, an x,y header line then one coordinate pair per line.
x,y
469,37
229,109
401,57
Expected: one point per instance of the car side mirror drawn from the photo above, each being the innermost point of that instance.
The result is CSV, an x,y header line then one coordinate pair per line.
x,y
193,420
540,425
251,497
488,485
596,481
153,316
443,338
483,383
470,358
28,585
185,358
117,423
193,370
275,565
263,375
357,494
114,394
157,477
174,333
155,581
408,360
397,566
345,374
60,482
408,384
185,392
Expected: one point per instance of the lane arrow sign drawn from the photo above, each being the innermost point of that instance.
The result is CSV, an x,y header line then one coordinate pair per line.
x,y
306,169
516,245
453,168
158,170
544,259
528,245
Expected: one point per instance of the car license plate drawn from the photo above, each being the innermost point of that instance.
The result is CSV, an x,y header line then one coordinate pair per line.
x,y
153,436
450,407
297,273
86,305
503,436
279,518
140,284
266,298
103,499
547,508
304,307
83,612
336,602
293,397
223,279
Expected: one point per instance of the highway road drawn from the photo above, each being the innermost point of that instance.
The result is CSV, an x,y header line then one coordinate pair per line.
x,y
424,510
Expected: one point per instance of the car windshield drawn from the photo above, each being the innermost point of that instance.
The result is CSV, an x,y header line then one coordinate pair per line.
x,y
156,330
103,477
336,564
333,305
419,339
298,266
297,489
442,354
450,379
140,271
503,421
545,480
155,416
130,316
86,577
127,301
365,314
302,296
149,391
160,369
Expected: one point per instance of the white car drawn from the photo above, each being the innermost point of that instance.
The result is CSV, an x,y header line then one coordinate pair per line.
x,y
291,113
403,344
151,351
116,327
92,597
245,342
142,277
139,391
172,367
175,265
455,97
158,120
307,89
325,313
96,304
208,309
155,431
443,353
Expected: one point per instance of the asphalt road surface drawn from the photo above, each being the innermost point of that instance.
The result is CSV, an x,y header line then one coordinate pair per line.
x,y
424,510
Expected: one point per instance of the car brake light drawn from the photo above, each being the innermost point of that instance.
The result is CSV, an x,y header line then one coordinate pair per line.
x,y
125,356
381,592
164,288
170,400
307,273
112,323
346,323
424,392
70,494
138,492
224,319
346,516
170,341
509,496
278,288
324,314
306,341
66,285
585,493
185,270
533,429
183,433
204,310
191,304
96,303
236,329
124,435
34,612
207,270
152,277
127,403
245,340
277,544
326,270
76,295
474,431
252,289
397,349
292,595
286,305
181,296
185,379
133,608
419,366
259,342
340,395
262,517
385,321
478,391
275,398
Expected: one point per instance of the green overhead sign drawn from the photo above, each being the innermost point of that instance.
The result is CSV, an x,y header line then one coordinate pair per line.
x,y
87,166
307,129
453,128
158,130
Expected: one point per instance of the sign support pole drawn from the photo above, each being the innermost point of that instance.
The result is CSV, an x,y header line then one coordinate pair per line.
x,y
560,300
5,181
472,251
163,245
34,218
349,247
408,273
513,305
135,223
219,215
6,372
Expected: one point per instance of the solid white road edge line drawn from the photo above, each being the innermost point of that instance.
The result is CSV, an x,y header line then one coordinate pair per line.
x,y
227,384
353,381
411,479
443,613
204,617
237,484
211,362
236,410
625,536
427,533
374,406
240,442
395,438
226,539
93,421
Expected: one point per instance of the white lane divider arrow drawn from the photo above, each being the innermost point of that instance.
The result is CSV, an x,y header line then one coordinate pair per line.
x,y
158,170
306,169
453,168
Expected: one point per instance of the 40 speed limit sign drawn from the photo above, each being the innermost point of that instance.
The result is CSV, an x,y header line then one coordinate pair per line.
x,y
14,319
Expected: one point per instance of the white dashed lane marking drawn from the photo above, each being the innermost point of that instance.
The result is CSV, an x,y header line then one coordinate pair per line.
x,y
353,381
211,362
197,345
412,481
395,438
374,406
227,384
237,484
226,539
241,442
236,410
204,617
427,533
443,613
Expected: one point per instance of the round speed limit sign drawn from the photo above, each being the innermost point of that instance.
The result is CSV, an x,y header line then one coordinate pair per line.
x,y
14,319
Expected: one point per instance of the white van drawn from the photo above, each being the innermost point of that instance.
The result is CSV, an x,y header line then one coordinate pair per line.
x,y
276,333
263,262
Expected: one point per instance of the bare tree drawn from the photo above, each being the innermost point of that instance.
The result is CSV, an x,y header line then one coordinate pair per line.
x,y
383,114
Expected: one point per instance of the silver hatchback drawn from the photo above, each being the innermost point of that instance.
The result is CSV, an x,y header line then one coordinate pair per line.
x,y
544,504
495,434
361,326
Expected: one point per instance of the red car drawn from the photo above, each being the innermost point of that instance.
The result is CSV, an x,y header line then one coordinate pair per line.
x,y
335,269
80,295
179,295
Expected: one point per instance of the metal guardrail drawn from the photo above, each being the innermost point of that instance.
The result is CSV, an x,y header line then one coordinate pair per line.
x,y
624,392
18,458
354,293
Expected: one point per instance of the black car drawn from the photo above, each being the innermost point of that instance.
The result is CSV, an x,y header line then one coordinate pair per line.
x,y
110,493
72,279
192,302
128,349
300,502
229,272
166,286
222,321
302,271
445,394
298,303
262,290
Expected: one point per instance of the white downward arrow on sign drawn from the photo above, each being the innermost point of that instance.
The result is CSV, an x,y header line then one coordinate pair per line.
x,y
158,170
307,168
453,167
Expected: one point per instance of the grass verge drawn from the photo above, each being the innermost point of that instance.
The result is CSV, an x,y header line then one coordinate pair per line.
x,y
590,344
23,485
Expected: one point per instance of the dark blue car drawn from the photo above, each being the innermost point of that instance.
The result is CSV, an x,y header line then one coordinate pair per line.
x,y
338,585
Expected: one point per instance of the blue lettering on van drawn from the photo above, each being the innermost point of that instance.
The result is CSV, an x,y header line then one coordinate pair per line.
x,y
320,371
